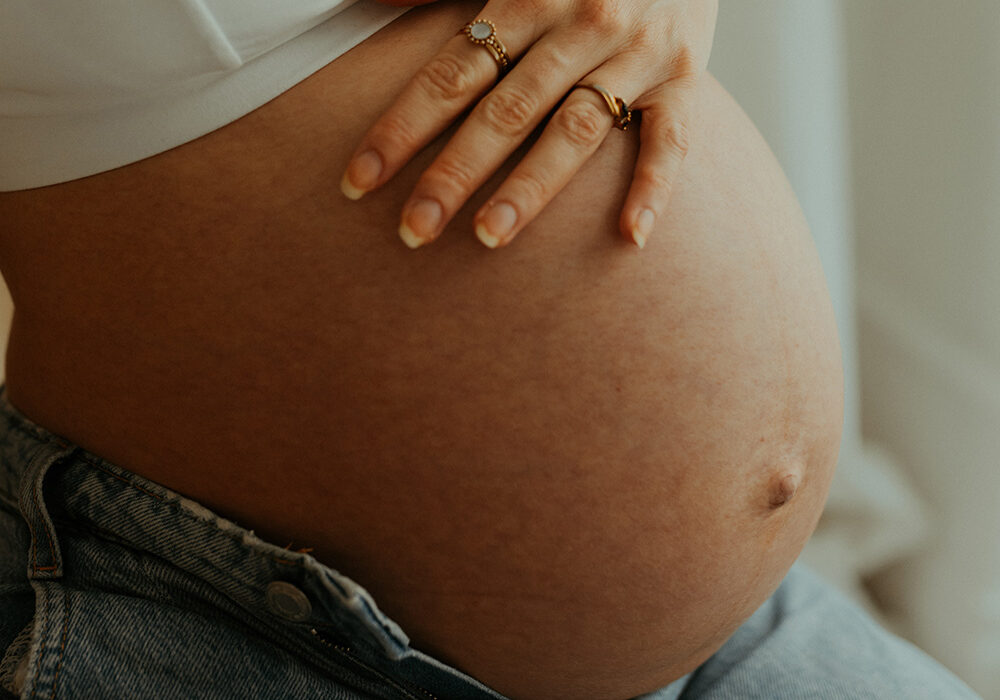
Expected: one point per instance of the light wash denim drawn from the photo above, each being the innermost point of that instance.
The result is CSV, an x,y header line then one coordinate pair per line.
x,y
112,586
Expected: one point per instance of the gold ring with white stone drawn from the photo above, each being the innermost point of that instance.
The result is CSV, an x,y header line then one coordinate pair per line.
x,y
484,33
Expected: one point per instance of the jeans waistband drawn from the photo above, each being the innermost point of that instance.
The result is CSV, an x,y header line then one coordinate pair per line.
x,y
50,479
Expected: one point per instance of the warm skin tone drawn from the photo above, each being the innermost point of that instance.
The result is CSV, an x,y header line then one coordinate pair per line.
x,y
651,52
568,467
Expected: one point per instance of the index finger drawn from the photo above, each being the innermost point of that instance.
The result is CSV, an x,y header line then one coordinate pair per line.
x,y
437,94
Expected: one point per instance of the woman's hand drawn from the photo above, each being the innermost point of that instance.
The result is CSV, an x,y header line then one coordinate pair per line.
x,y
650,53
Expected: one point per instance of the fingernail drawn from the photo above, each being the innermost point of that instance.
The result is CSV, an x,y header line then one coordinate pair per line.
x,y
496,224
643,227
361,175
420,223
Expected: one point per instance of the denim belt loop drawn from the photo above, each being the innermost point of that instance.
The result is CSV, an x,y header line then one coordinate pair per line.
x,y
45,561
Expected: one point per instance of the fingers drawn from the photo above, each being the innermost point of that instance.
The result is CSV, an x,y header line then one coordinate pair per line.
x,y
437,94
664,143
499,123
504,116
575,131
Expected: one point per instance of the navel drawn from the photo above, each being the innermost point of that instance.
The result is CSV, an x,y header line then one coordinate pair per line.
x,y
783,486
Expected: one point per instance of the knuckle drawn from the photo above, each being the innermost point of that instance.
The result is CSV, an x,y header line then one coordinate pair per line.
x,y
558,60
445,77
449,176
653,179
644,41
604,17
676,135
529,8
583,123
531,187
394,134
684,66
508,112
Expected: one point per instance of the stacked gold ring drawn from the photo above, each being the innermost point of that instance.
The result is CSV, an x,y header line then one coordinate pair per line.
x,y
484,33
619,110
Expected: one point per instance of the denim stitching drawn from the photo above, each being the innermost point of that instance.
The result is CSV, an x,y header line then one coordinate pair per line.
x,y
34,541
19,424
41,650
28,429
62,646
31,431
176,507
178,510
37,433
345,652
122,479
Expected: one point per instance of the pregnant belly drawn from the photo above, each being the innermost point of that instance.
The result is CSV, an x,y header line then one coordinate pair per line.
x,y
568,467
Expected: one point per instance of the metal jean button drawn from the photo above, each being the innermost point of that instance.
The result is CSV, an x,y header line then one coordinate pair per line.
x,y
289,602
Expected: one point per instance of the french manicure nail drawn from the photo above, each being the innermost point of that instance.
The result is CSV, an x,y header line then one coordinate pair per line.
x,y
409,238
361,175
643,227
420,223
496,224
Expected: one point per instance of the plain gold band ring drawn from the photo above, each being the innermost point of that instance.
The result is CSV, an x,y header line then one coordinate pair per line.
x,y
483,32
619,110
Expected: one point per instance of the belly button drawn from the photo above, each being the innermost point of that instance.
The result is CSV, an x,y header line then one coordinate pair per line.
x,y
783,487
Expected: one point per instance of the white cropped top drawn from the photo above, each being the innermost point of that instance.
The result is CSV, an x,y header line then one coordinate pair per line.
x,y
90,85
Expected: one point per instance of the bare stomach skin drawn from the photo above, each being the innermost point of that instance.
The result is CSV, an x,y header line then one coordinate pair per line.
x,y
568,467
